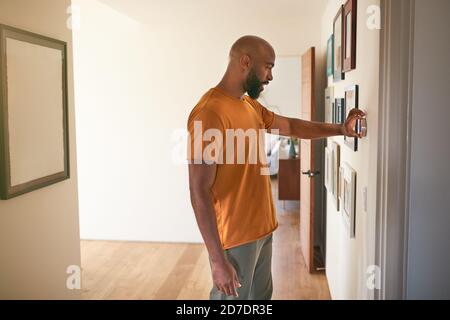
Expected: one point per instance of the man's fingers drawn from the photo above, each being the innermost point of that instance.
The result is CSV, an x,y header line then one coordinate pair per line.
x,y
222,289
236,281
355,117
234,287
230,290
357,112
234,291
225,289
351,132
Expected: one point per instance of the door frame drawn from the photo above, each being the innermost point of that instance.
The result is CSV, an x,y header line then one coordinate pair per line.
x,y
308,253
394,146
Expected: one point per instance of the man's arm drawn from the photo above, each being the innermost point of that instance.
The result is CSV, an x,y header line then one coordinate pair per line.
x,y
201,179
316,130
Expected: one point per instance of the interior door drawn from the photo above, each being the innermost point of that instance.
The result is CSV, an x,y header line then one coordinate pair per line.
x,y
307,162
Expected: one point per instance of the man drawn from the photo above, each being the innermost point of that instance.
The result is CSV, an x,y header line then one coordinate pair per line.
x,y
232,201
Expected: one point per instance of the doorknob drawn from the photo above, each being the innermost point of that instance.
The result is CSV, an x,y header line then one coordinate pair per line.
x,y
311,174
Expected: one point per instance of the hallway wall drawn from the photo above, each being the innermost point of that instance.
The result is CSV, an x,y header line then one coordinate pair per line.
x,y
39,235
429,217
347,259
141,66
283,94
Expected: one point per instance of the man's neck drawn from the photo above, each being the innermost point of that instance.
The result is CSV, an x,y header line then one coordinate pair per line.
x,y
231,88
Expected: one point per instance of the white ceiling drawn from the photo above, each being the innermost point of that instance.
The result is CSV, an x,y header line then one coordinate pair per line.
x,y
144,10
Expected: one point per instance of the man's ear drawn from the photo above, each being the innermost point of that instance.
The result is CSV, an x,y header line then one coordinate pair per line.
x,y
245,62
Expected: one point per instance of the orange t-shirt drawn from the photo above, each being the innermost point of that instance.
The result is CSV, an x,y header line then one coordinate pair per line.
x,y
241,191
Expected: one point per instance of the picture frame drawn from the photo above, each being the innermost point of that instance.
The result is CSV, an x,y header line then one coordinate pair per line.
x,y
330,56
335,164
333,112
341,183
349,37
328,171
329,100
352,102
338,34
34,137
339,111
348,197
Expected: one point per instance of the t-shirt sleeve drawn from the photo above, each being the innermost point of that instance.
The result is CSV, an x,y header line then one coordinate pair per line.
x,y
205,137
266,115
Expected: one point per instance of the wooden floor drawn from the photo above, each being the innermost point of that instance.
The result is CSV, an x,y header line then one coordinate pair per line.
x,y
142,270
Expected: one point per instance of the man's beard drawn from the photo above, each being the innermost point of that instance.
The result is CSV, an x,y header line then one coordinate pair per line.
x,y
253,85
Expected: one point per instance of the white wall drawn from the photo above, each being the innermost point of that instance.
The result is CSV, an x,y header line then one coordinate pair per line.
x,y
141,66
39,236
429,218
283,94
347,259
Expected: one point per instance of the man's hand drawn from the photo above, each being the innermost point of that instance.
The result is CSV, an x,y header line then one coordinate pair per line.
x,y
225,277
348,129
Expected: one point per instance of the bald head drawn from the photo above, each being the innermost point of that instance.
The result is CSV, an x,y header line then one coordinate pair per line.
x,y
252,46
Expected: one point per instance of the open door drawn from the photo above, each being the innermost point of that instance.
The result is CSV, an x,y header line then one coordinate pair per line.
x,y
309,172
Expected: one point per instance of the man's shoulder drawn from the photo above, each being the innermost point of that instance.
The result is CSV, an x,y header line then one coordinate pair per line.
x,y
210,103
254,103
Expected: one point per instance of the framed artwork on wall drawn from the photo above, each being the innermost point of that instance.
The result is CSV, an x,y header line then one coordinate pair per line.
x,y
330,56
329,99
341,184
349,38
348,197
335,164
338,34
328,184
333,112
339,111
34,141
352,102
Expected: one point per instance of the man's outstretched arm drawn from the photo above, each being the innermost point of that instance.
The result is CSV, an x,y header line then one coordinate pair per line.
x,y
316,130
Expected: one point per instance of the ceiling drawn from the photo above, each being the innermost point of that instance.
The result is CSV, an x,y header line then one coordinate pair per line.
x,y
145,11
